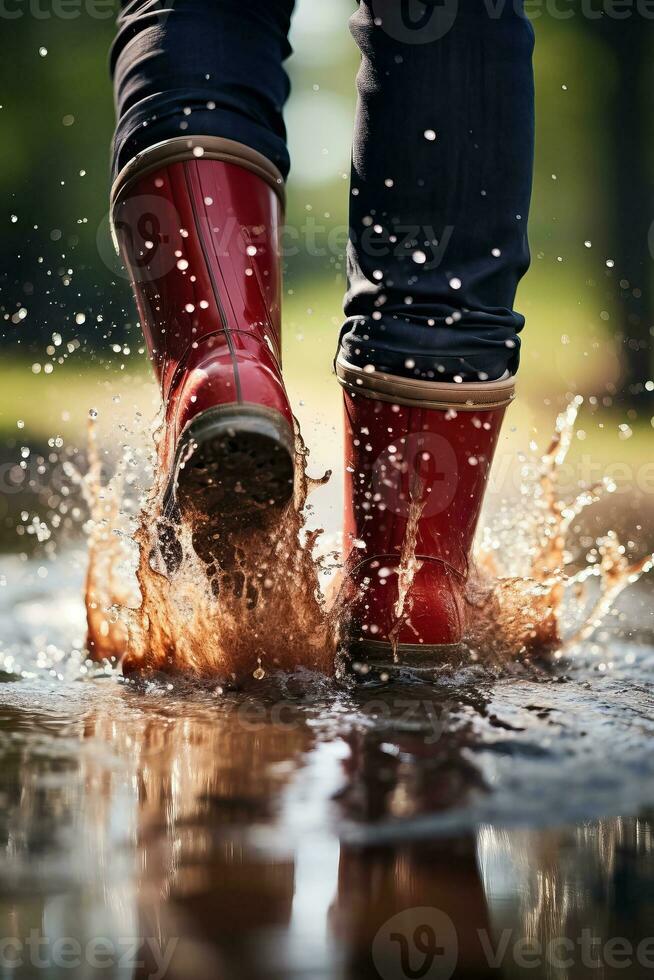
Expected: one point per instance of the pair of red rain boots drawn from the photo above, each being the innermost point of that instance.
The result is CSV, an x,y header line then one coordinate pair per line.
x,y
197,222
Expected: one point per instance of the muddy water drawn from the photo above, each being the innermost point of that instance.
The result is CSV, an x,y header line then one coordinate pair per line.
x,y
486,824
495,818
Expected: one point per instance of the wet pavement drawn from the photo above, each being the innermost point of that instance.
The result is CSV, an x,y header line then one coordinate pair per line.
x,y
492,823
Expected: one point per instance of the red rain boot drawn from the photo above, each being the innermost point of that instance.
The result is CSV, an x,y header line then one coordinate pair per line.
x,y
417,457
197,222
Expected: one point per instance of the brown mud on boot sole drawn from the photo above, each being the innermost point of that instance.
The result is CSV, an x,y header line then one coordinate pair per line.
x,y
234,469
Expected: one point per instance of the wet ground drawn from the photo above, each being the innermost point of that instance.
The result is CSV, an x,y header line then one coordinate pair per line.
x,y
484,824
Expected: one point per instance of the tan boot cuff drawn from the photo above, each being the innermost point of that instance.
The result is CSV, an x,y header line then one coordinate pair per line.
x,y
182,148
464,397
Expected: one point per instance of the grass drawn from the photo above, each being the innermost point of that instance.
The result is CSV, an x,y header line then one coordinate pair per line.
x,y
125,397
567,349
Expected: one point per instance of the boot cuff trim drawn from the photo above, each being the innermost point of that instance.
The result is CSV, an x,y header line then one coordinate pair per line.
x,y
467,396
187,148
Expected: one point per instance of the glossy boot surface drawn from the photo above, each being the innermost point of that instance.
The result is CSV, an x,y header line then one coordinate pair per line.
x,y
417,458
197,222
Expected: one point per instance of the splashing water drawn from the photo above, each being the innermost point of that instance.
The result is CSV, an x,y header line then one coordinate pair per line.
x,y
520,592
266,612
107,587
409,566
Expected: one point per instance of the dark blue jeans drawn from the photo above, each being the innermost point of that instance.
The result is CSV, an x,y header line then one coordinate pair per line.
x,y
441,166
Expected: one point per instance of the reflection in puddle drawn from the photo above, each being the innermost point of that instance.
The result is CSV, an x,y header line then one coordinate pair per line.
x,y
304,830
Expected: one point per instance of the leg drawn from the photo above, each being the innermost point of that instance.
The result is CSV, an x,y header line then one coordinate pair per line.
x,y
210,67
441,183
200,159
442,163
631,230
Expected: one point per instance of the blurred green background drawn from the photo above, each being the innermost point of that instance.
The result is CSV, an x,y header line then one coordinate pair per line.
x,y
69,337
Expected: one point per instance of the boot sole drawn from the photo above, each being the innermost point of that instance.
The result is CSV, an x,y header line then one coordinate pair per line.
x,y
234,468
373,659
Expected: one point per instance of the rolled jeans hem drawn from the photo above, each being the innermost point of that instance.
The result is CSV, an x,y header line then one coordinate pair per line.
x,y
138,131
428,348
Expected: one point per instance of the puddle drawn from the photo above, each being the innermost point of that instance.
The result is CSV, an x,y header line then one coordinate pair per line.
x,y
495,821
278,830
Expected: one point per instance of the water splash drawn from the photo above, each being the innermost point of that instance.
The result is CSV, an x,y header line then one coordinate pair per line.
x,y
521,594
267,611
264,612
107,587
409,565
